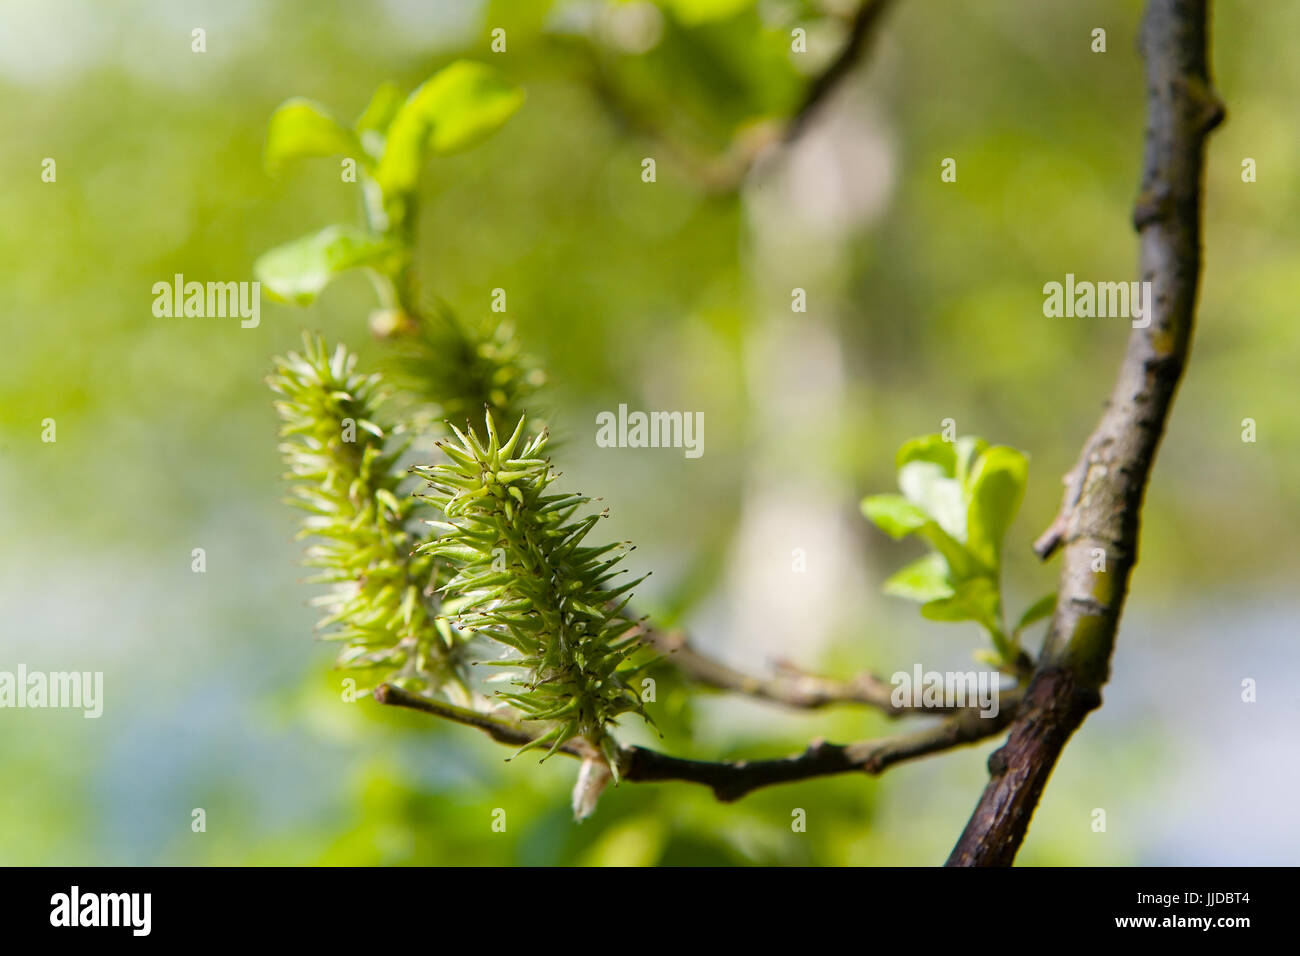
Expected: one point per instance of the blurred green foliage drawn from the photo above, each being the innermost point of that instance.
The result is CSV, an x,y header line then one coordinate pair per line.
x,y
658,295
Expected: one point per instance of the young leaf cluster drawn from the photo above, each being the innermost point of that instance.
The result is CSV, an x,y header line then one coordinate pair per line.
x,y
388,144
959,497
525,578
344,466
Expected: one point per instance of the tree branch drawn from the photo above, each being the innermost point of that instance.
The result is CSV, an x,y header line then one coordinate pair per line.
x,y
1101,510
500,729
723,172
731,780
861,30
789,687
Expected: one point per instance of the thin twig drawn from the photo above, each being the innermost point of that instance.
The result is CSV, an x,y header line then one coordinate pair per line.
x,y
723,172
861,30
500,729
789,686
731,780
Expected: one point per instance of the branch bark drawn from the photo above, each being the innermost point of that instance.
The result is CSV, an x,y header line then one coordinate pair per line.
x,y
789,686
731,780
1101,509
862,28
723,173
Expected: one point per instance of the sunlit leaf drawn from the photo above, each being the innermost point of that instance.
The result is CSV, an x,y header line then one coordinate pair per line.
x,y
930,448
300,128
381,109
694,12
975,599
454,109
968,449
298,271
894,515
997,486
928,485
923,580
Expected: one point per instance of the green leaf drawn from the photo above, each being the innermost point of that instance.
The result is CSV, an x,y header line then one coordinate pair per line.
x,y
453,110
975,599
300,127
960,497
930,448
899,517
937,492
1040,609
692,13
381,109
961,563
969,449
997,485
894,515
922,581
298,271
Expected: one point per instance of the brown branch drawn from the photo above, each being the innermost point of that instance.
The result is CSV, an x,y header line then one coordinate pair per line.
x,y
1101,510
498,728
723,172
731,780
861,30
789,686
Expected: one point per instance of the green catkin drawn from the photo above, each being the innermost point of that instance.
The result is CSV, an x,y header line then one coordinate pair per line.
x,y
458,366
380,602
524,578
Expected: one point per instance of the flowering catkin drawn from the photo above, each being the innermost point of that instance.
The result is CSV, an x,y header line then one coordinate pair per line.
x,y
346,477
524,578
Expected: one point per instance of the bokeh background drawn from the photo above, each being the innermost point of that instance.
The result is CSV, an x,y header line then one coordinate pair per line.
x,y
924,304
